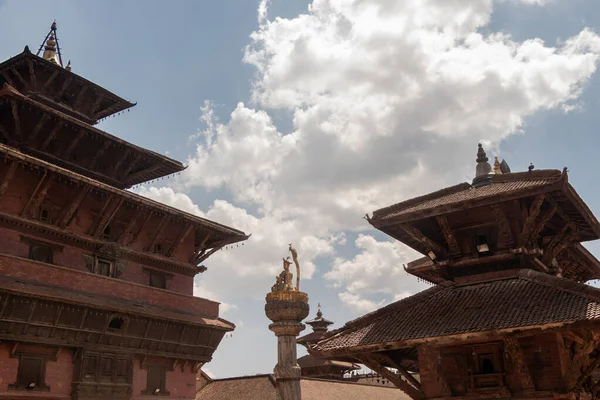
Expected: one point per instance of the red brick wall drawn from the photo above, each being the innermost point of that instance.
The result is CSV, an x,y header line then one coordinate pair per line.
x,y
180,384
91,283
59,373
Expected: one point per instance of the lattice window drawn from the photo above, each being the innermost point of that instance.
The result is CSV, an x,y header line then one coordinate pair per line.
x,y
123,370
90,367
45,313
17,309
107,369
486,366
105,267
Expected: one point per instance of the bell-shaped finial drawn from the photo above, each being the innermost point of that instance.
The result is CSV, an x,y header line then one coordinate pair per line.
x,y
483,169
50,50
319,313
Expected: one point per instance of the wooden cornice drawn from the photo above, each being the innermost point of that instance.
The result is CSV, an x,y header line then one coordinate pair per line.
x,y
86,242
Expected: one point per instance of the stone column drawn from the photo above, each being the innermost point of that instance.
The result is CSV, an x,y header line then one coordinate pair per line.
x,y
287,309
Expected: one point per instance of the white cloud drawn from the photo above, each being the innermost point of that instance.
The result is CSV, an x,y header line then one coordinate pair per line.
x,y
377,271
389,99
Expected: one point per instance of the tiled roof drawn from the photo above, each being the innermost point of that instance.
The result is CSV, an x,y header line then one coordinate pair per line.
x,y
528,299
501,185
261,387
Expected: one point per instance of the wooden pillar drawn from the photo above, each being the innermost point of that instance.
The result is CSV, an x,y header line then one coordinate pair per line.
x,y
429,358
518,376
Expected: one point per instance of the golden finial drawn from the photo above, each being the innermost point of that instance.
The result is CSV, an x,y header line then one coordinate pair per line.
x,y
50,50
497,169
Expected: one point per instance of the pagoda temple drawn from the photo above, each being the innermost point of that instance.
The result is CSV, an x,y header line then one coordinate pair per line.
x,y
509,314
96,282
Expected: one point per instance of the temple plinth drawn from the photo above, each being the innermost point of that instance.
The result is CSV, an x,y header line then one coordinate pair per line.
x,y
287,307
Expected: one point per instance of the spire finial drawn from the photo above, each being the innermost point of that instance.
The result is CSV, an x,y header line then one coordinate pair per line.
x,y
483,170
497,168
319,313
51,47
68,68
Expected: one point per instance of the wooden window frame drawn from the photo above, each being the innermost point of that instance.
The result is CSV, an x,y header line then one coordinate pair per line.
x,y
116,360
479,381
163,384
166,276
30,242
40,386
111,266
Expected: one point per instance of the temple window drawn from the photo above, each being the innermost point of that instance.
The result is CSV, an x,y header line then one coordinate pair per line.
x,y
116,324
486,370
31,373
104,267
156,383
44,215
41,252
158,280
106,368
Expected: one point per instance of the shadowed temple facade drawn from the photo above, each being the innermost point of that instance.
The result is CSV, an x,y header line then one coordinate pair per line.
x,y
509,314
96,282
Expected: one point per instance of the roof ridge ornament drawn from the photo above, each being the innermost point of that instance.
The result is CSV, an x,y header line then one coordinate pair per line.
x,y
51,47
483,171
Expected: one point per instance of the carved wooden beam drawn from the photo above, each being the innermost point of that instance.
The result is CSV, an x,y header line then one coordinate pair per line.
x,y
52,135
429,357
63,88
400,383
7,79
8,177
580,359
448,234
158,233
107,218
101,215
68,153
560,242
518,374
99,154
36,198
141,228
180,238
32,77
66,219
542,223
16,118
38,127
4,133
133,220
588,371
19,77
79,97
529,225
419,237
200,250
384,359
503,225
49,81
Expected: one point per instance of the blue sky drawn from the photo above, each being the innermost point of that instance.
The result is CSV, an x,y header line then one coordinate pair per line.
x,y
299,161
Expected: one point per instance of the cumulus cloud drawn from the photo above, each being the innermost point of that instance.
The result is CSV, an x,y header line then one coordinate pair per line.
x,y
376,272
389,99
